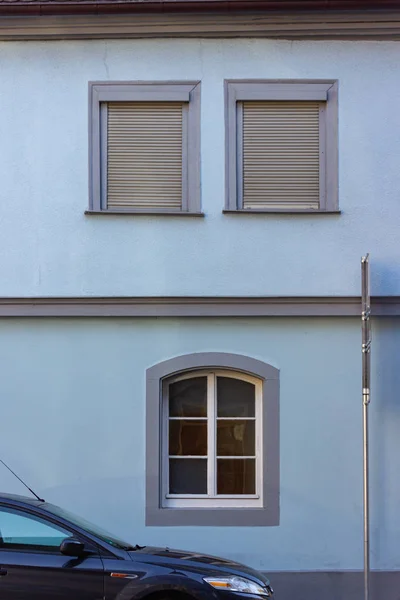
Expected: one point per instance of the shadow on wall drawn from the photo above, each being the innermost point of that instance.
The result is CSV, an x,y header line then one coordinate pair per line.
x,y
384,279
344,585
115,504
16,460
384,444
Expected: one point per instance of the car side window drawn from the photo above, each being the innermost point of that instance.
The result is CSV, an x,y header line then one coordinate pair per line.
x,y
23,531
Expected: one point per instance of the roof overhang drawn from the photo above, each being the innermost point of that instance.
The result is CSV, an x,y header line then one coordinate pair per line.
x,y
124,19
101,7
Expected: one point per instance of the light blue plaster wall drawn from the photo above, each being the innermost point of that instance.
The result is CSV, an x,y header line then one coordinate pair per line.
x,y
48,246
73,425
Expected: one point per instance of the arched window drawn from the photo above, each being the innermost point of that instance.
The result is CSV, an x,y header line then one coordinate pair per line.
x,y
212,440
212,448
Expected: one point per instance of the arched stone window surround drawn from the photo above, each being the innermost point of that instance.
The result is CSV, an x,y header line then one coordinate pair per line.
x,y
268,514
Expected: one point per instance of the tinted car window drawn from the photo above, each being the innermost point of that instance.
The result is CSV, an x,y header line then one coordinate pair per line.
x,y
20,531
95,530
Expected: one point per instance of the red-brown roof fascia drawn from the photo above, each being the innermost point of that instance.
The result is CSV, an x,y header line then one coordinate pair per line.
x,y
82,7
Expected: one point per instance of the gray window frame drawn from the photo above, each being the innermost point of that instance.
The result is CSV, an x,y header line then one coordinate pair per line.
x,y
237,91
142,91
268,514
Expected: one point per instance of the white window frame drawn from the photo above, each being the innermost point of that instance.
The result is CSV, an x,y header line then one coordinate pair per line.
x,y
212,499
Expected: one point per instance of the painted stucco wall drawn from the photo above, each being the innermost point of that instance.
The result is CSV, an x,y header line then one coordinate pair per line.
x,y
49,247
73,425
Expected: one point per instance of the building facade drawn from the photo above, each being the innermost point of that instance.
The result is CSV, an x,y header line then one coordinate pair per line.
x,y
185,199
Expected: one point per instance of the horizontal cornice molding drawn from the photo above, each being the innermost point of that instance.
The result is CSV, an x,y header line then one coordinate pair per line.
x,y
341,25
313,306
80,7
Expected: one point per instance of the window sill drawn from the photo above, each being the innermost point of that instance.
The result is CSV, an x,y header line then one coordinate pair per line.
x,y
281,212
211,498
213,517
147,213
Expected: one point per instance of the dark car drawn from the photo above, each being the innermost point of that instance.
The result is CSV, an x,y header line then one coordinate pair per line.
x,y
47,553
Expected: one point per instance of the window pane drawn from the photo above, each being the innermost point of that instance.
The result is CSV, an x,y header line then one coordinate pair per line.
x,y
188,476
235,438
236,476
18,529
236,398
188,438
188,398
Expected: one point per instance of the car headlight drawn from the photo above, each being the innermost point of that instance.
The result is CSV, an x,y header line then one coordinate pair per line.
x,y
237,584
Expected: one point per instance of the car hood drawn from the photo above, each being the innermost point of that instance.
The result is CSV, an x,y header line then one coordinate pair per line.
x,y
193,561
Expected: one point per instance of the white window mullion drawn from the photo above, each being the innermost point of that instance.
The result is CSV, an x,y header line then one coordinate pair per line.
x,y
211,434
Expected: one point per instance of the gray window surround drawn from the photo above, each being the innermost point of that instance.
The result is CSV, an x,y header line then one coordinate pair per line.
x,y
142,91
268,515
270,89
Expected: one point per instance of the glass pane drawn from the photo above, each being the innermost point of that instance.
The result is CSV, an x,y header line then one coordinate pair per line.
x,y
87,525
19,530
188,398
188,438
236,438
188,476
236,476
236,398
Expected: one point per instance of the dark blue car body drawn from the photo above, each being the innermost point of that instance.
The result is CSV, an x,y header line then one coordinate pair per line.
x,y
107,569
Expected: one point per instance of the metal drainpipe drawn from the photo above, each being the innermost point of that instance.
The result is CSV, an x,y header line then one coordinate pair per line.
x,y
366,370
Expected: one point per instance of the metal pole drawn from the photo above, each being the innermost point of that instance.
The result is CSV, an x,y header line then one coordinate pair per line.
x,y
366,504
366,359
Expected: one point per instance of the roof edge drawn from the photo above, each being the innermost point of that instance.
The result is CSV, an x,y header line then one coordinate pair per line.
x,y
295,25
114,7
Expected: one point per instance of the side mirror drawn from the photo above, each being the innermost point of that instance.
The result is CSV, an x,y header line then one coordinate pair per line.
x,y
72,547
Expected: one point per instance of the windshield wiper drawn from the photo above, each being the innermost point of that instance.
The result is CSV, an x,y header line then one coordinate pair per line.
x,y
135,547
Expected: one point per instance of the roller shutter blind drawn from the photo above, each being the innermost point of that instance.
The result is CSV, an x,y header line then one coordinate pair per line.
x,y
281,154
144,155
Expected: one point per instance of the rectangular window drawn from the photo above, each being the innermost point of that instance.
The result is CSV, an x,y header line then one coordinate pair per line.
x,y
212,444
145,148
281,146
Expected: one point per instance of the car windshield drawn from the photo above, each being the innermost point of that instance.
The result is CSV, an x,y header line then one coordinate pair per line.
x,y
99,532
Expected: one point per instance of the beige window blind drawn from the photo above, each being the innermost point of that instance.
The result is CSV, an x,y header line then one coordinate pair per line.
x,y
281,155
144,155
